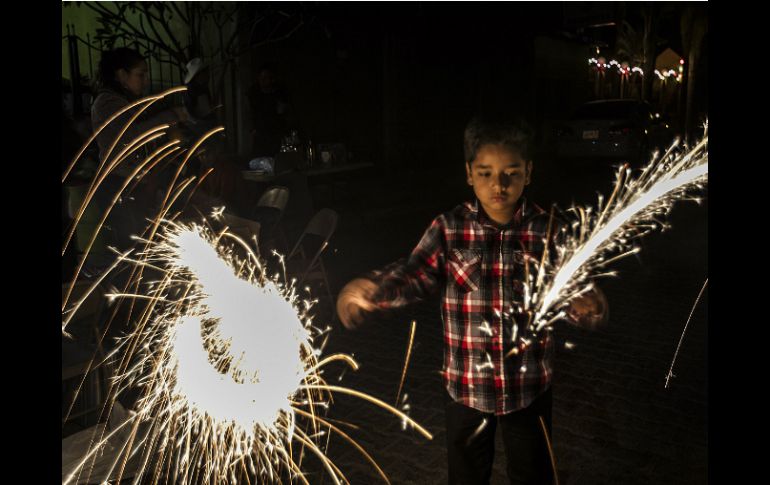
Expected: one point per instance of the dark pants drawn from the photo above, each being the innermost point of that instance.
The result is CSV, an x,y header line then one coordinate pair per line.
x,y
471,451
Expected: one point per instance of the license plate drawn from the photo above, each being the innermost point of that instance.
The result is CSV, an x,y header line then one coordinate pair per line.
x,y
591,134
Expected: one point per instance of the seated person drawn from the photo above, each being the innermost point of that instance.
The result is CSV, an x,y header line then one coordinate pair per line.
x,y
198,98
271,112
122,79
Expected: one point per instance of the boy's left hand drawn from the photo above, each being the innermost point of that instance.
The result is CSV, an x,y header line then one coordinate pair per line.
x,y
354,302
589,310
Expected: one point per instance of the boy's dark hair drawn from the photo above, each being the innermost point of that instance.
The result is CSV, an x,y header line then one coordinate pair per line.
x,y
514,134
111,61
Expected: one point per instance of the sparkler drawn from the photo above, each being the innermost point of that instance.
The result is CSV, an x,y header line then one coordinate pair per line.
x,y
406,360
223,354
676,353
477,431
552,457
635,208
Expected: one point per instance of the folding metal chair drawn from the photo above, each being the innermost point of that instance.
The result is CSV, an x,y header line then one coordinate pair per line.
x,y
268,211
246,229
311,243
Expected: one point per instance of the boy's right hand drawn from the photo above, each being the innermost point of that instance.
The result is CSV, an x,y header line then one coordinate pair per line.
x,y
355,301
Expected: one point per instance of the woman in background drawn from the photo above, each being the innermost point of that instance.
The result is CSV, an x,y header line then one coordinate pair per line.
x,y
122,79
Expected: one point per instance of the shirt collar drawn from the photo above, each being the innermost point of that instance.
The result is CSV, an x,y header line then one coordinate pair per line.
x,y
522,213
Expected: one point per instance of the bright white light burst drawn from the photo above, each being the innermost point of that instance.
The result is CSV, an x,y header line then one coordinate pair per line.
x,y
637,206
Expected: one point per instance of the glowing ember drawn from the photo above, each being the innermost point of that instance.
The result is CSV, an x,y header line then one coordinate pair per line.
x,y
634,209
256,328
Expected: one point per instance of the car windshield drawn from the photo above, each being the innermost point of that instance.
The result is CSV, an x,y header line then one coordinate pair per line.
x,y
605,111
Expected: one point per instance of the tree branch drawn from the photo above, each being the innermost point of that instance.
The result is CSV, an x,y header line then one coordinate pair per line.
x,y
238,53
178,51
144,31
174,6
99,8
120,28
199,30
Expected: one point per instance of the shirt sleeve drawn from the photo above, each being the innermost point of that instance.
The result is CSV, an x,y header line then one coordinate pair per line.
x,y
420,276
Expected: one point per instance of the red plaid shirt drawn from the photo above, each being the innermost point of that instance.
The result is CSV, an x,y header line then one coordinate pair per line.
x,y
479,265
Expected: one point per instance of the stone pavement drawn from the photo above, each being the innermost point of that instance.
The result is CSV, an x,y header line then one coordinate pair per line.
x,y
614,421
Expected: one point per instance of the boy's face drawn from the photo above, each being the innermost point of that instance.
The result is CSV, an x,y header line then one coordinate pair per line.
x,y
498,176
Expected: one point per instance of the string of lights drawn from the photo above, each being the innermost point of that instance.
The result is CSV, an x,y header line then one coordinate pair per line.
x,y
624,69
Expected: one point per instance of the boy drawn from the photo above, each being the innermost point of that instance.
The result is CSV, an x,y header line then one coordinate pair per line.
x,y
475,255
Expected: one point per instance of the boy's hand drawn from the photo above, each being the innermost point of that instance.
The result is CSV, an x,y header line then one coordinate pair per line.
x,y
355,301
589,310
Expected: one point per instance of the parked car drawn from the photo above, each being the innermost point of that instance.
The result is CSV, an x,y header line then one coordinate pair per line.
x,y
622,129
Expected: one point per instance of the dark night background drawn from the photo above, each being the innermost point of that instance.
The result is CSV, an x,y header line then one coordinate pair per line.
x,y
396,83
